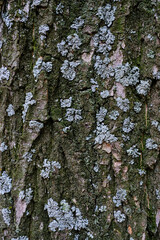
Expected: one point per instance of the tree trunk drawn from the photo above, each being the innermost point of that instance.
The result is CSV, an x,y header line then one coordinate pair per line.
x,y
79,120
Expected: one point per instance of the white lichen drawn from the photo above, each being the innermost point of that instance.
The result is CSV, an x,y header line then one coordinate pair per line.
x,y
1,44
137,106
73,115
23,14
6,215
40,66
101,67
7,20
71,43
94,85
36,3
10,110
109,178
4,74
103,134
59,8
156,124
28,155
66,102
114,115
102,208
128,125
141,183
101,115
150,144
37,126
5,183
123,104
157,194
43,29
89,235
3,147
141,172
133,151
144,87
65,217
103,40
28,102
126,138
96,168
107,14
156,75
120,197
104,94
26,195
37,68
20,238
77,23
49,167
76,237
68,69
126,75
120,217
62,48
151,54
65,129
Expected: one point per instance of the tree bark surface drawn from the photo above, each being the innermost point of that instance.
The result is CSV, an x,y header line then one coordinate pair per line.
x,y
80,120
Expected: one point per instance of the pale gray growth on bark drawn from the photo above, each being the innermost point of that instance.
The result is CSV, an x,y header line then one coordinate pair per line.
x,y
79,120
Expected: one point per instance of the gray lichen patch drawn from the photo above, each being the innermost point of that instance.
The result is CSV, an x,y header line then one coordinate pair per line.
x,y
103,134
26,195
4,74
103,40
49,167
119,217
35,125
43,29
150,144
68,69
71,43
144,87
5,183
120,197
73,115
107,14
36,3
128,126
28,101
101,67
123,104
6,215
3,147
126,75
66,102
20,238
59,8
10,110
66,217
77,23
133,152
40,66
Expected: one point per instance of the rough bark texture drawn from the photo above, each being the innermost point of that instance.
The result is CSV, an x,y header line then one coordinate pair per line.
x,y
71,168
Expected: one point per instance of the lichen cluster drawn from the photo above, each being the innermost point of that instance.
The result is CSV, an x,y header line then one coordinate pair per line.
x,y
79,120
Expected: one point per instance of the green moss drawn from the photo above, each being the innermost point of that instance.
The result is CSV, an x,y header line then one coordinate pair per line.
x,y
119,25
56,113
151,221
